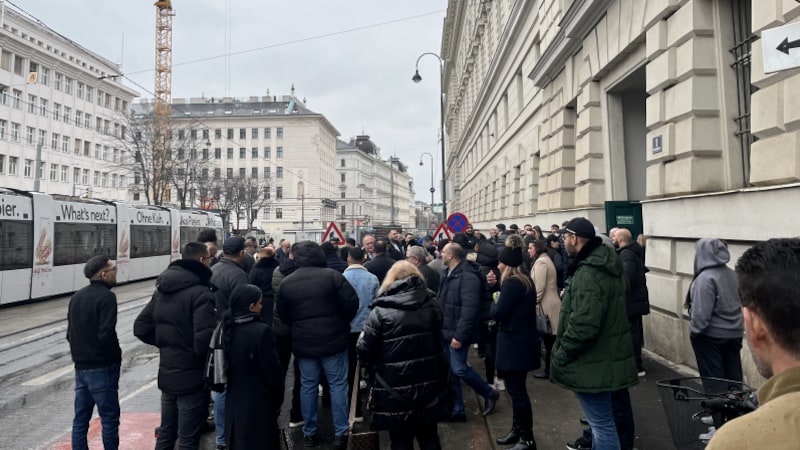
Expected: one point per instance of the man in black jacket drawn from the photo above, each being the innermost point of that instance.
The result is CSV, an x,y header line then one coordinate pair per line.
x,y
226,275
318,304
179,320
418,256
381,262
632,256
460,296
93,343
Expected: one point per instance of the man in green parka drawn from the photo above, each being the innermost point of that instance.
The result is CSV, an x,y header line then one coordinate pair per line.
x,y
593,353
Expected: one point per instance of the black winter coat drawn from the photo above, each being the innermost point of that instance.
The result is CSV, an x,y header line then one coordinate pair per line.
x,y
285,269
255,389
179,320
632,257
318,304
517,339
379,266
261,275
92,327
226,275
460,295
402,343
335,262
432,277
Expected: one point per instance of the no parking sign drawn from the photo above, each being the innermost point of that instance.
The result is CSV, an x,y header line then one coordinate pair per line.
x,y
457,222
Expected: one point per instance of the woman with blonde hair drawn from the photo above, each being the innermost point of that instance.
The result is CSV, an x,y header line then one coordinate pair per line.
x,y
545,277
517,340
401,347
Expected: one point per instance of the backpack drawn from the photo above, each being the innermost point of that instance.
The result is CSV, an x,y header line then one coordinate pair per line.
x,y
215,374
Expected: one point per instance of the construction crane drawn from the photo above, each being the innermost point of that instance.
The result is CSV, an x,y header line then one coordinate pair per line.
x,y
162,107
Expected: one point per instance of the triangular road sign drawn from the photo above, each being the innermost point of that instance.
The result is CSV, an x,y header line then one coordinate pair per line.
x,y
333,232
441,233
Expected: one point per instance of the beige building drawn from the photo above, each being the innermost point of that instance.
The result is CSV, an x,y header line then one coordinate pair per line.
x,y
372,191
555,107
65,103
278,143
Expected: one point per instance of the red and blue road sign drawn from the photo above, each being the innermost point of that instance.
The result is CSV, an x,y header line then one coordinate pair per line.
x,y
457,222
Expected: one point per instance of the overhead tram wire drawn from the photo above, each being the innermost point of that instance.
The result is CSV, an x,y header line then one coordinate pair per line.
x,y
295,41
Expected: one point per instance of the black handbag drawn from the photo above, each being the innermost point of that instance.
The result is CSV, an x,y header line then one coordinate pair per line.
x,y
543,325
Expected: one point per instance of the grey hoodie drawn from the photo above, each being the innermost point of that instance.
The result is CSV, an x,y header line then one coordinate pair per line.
x,y
716,309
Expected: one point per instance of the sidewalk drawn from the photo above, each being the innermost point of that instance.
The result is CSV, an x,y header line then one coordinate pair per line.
x,y
556,415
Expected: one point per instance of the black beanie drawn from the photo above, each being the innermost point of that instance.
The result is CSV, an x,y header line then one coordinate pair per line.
x,y
512,252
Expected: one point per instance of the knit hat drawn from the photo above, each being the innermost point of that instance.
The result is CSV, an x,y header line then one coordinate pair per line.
x,y
512,252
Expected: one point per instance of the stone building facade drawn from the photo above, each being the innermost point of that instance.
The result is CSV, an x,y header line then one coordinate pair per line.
x,y
276,141
556,107
372,191
66,100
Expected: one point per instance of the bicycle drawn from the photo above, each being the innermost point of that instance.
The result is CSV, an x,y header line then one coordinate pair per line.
x,y
696,406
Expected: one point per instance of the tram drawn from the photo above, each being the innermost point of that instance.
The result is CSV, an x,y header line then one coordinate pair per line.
x,y
45,240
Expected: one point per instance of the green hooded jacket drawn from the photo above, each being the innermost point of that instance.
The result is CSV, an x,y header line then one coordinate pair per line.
x,y
593,351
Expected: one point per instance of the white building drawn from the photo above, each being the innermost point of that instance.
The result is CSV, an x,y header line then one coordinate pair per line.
x,y
559,108
66,100
372,192
276,142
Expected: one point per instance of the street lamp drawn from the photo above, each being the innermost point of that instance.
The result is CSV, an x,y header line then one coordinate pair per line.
x,y
433,189
416,79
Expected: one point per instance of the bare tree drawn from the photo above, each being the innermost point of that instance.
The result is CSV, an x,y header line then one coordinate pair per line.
x,y
159,172
254,194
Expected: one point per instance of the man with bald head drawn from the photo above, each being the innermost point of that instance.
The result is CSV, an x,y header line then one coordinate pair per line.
x,y
632,256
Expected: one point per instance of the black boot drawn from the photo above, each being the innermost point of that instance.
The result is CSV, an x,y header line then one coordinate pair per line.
x,y
511,438
524,445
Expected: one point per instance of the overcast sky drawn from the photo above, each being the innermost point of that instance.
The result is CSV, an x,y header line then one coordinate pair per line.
x,y
360,80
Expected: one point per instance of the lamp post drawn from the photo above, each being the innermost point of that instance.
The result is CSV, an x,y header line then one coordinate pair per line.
x,y
416,79
433,189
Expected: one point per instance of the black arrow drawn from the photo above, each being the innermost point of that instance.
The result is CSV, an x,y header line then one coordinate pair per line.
x,y
785,46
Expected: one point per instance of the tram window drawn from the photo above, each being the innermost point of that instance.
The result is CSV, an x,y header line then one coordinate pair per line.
x,y
16,244
149,240
189,234
76,243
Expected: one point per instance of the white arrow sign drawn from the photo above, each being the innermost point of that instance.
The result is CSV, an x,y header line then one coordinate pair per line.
x,y
781,48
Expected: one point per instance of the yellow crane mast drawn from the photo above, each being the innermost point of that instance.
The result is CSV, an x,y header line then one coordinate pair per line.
x,y
163,102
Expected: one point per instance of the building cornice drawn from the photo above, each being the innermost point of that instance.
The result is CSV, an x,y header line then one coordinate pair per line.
x,y
578,20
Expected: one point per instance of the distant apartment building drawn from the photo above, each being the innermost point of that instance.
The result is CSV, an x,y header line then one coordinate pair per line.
x,y
373,192
63,106
267,163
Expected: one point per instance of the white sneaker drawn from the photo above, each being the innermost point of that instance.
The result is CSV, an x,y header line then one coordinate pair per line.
x,y
499,384
642,373
362,384
707,436
296,424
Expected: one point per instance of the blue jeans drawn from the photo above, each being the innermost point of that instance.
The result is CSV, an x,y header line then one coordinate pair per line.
x,y
462,372
335,367
182,419
96,387
598,411
219,415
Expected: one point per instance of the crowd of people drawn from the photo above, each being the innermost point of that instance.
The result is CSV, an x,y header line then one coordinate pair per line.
x,y
405,313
